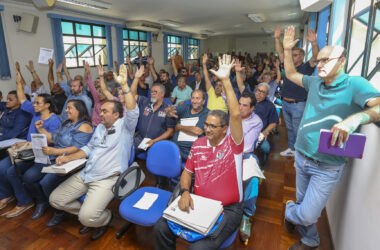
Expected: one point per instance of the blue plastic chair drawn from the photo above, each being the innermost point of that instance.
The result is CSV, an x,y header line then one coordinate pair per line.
x,y
167,100
164,159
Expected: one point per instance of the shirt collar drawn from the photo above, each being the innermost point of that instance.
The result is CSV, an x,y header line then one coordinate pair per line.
x,y
220,143
342,78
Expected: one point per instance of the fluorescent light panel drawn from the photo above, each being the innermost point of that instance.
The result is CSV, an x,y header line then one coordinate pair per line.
x,y
257,18
170,23
98,5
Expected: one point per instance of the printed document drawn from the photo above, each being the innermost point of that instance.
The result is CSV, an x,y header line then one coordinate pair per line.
x,y
143,145
64,168
45,55
39,141
146,201
192,121
251,168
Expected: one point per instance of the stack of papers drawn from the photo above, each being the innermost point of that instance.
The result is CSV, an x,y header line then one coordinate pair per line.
x,y
251,169
146,201
65,168
201,220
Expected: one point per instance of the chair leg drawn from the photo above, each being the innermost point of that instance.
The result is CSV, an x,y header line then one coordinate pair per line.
x,y
122,230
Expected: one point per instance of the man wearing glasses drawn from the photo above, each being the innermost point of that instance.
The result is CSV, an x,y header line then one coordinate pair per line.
x,y
216,161
336,102
294,96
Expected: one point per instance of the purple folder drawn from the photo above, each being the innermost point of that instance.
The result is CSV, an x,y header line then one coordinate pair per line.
x,y
353,148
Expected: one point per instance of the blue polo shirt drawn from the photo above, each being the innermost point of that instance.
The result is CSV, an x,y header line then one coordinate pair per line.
x,y
184,111
13,123
267,112
152,124
292,90
328,105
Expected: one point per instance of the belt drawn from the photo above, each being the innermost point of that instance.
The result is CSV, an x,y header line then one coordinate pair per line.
x,y
309,158
293,101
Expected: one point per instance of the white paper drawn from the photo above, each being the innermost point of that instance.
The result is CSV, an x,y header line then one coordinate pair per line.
x,y
10,142
192,121
146,201
45,55
39,141
143,144
64,168
251,168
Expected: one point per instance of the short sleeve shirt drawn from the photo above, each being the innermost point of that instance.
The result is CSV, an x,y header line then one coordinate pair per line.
x,y
215,102
292,90
267,112
181,95
218,170
328,105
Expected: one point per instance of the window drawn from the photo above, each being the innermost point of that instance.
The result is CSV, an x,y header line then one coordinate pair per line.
x,y
83,41
134,41
174,44
192,49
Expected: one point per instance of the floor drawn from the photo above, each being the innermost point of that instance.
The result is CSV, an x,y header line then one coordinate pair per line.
x,y
268,229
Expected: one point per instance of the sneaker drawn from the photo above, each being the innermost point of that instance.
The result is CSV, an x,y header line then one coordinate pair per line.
x,y
288,152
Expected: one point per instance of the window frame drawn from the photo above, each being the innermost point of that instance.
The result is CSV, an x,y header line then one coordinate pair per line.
x,y
168,43
134,40
75,35
191,46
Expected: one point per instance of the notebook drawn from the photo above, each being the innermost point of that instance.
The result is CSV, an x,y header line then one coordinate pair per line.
x,y
65,168
353,148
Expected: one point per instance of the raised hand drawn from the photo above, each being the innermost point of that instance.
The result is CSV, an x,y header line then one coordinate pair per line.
x,y
238,67
18,78
150,61
100,70
277,32
128,60
17,66
311,36
122,78
204,58
171,111
30,67
225,66
140,72
277,63
51,63
86,66
289,41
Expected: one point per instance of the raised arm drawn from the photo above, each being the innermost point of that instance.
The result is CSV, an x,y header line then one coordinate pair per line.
x,y
290,71
103,86
130,67
90,83
174,66
139,73
152,69
278,71
59,73
19,71
116,67
40,128
51,74
239,78
223,73
122,79
67,74
20,89
36,78
205,72
279,49
312,38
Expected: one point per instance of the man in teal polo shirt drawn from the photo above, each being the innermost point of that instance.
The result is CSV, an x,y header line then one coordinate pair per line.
x,y
337,102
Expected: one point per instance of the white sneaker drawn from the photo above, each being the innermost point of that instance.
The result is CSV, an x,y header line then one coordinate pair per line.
x,y
287,152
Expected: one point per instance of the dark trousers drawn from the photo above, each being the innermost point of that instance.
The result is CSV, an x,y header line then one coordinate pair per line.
x,y
164,238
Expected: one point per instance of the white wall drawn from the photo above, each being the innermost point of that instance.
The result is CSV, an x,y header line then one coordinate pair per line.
x,y
23,46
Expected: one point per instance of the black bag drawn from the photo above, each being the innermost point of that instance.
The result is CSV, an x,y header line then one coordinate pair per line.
x,y
25,155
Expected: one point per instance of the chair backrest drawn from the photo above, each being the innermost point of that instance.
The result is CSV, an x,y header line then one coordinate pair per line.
x,y
164,159
167,100
132,156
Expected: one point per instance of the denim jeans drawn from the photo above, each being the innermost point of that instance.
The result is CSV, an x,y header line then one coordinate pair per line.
x,y
315,181
251,191
292,114
264,150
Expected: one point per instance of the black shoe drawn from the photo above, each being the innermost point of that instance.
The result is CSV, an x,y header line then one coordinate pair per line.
x,y
57,218
99,231
290,227
40,210
84,229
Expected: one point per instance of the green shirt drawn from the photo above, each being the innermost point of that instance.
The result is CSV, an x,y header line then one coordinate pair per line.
x,y
328,105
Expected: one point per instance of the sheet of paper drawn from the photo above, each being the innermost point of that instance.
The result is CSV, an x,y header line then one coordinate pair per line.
x,y
45,55
10,142
143,144
192,121
39,141
251,168
65,168
146,201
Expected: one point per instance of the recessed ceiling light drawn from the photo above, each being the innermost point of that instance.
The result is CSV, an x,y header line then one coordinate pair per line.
x,y
170,23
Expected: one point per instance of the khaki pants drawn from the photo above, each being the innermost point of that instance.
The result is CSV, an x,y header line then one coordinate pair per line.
x,y
93,212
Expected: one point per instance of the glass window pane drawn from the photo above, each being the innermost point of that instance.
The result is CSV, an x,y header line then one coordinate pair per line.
x,y
67,28
83,29
172,39
125,34
70,51
144,48
68,39
71,62
84,40
361,5
357,45
99,31
142,36
83,48
100,41
133,35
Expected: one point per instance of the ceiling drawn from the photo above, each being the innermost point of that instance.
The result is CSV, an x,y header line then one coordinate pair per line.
x,y
223,17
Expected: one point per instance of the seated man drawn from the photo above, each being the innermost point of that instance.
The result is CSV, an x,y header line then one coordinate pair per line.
x,y
153,122
182,92
195,110
215,98
108,152
163,78
252,126
216,161
14,122
199,83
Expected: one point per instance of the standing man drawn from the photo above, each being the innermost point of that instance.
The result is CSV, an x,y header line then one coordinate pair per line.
x,y
108,153
337,102
216,161
294,96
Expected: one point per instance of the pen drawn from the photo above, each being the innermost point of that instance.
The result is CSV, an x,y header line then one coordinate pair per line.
x,y
64,153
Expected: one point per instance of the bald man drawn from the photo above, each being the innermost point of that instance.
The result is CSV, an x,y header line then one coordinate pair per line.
x,y
336,102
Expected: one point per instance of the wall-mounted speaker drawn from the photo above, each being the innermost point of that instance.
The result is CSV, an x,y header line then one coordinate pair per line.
x,y
28,23
160,37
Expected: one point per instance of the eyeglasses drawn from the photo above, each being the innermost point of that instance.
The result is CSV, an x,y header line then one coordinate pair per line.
x,y
37,103
261,91
212,126
155,92
325,60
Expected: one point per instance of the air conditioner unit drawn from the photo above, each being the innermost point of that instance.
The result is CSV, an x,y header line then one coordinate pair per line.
x,y
314,5
200,36
257,18
144,25
28,23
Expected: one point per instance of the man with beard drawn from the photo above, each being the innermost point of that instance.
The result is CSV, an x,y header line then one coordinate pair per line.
x,y
163,78
73,91
197,113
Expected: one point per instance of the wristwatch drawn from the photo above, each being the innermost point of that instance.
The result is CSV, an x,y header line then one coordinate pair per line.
x,y
126,92
183,190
